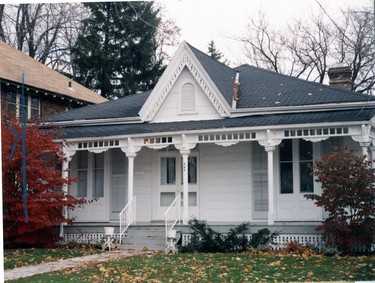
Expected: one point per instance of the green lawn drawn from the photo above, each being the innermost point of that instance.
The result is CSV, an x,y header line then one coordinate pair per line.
x,y
21,257
231,267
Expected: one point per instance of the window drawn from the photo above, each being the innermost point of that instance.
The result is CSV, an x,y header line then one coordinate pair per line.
x,y
286,167
12,102
32,104
192,199
98,170
305,163
82,160
296,157
90,173
166,198
187,98
168,170
192,170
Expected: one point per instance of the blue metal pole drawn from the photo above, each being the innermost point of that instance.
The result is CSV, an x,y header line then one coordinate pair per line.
x,y
23,124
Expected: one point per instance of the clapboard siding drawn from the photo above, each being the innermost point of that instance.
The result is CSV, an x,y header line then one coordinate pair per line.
x,y
225,183
143,184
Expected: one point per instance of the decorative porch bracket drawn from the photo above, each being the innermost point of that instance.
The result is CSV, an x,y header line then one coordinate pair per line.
x,y
363,137
270,140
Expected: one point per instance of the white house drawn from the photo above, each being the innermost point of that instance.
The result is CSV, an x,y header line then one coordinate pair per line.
x,y
234,143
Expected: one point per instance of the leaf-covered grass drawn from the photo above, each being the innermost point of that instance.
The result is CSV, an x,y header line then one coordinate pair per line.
x,y
227,267
22,257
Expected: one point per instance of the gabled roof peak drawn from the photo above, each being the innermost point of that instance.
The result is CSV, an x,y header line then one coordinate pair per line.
x,y
200,68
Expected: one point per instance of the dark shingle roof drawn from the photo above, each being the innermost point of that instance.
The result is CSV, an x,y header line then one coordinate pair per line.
x,y
251,121
263,88
259,88
222,75
127,106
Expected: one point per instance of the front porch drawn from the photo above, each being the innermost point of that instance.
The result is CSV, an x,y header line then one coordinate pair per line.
x,y
227,177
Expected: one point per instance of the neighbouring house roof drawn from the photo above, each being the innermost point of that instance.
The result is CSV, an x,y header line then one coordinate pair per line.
x,y
265,99
37,75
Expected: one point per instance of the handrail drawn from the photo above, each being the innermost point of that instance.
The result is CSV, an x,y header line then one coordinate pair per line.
x,y
170,219
127,216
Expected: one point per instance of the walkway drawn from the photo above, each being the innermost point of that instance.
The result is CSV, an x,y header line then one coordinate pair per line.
x,y
30,270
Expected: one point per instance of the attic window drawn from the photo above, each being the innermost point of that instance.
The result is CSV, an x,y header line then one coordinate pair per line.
x,y
70,84
187,98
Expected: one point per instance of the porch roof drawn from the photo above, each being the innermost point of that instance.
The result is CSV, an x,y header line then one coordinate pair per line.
x,y
256,121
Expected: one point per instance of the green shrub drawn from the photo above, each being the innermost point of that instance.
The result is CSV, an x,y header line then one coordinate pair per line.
x,y
205,239
263,239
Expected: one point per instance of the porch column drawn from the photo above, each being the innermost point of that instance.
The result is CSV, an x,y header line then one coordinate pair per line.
x,y
270,139
68,154
130,156
130,148
365,146
185,182
372,149
270,150
184,145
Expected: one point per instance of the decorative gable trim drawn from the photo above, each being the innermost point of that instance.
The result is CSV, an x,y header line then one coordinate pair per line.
x,y
184,58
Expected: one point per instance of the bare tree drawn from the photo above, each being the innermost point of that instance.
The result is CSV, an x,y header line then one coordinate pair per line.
x,y
43,31
263,45
168,35
307,49
309,46
2,37
355,47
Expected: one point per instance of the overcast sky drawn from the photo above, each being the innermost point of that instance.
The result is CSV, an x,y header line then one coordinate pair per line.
x,y
204,20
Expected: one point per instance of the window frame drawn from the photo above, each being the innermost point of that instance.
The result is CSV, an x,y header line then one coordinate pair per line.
x,y
30,106
83,169
296,163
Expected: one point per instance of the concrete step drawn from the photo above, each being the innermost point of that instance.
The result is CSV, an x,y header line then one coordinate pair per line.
x,y
144,238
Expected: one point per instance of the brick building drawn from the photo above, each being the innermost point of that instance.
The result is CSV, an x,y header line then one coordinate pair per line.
x,y
46,91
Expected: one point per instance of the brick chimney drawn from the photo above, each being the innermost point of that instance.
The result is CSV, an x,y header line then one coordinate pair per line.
x,y
340,77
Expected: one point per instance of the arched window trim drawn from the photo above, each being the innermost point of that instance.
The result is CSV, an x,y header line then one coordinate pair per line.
x,y
180,106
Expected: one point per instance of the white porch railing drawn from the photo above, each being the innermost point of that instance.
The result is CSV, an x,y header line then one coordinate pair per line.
x,y
127,216
172,217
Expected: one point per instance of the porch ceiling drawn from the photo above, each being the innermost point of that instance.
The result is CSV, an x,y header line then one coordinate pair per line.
x,y
278,120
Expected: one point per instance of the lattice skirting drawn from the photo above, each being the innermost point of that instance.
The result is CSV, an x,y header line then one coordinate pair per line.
x,y
89,238
315,240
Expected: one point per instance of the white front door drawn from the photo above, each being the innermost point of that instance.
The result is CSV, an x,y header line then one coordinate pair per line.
x,y
169,180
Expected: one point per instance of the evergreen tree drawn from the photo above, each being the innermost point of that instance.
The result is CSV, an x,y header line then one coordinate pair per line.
x,y
115,53
216,53
213,51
